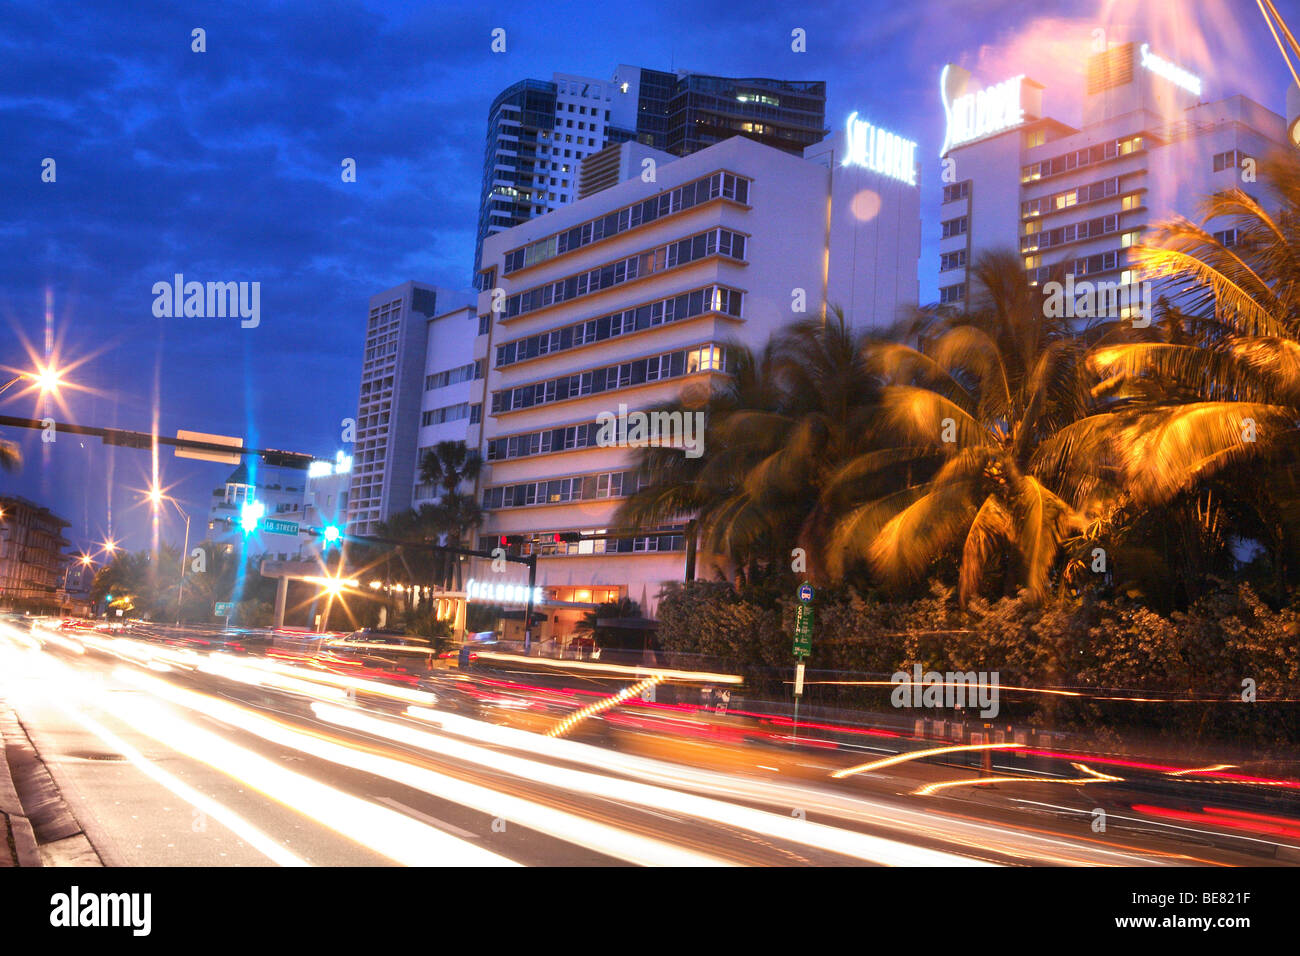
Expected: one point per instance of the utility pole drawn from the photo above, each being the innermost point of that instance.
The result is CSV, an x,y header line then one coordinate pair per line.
x,y
528,611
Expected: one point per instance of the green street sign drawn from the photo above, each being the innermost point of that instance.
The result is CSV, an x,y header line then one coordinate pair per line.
x,y
803,628
222,609
276,526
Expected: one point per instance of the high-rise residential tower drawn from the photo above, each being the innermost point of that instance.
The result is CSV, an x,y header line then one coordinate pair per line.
x,y
539,131
1152,144
391,406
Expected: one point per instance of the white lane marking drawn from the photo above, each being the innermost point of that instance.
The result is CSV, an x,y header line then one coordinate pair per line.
x,y
432,821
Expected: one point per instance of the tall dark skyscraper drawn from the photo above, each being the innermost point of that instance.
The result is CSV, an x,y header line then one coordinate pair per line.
x,y
539,131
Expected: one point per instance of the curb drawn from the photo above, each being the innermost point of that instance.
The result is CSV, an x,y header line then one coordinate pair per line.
x,y
20,826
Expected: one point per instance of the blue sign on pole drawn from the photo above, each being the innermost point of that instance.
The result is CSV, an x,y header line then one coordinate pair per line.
x,y
805,593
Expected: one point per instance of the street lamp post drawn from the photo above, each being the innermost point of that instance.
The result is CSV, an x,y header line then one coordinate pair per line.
x,y
156,497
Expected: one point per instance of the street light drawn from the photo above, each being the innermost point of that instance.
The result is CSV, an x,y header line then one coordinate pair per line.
x,y
47,379
156,498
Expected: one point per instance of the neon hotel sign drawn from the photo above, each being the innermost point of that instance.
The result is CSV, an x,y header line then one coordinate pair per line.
x,y
982,113
879,150
1173,73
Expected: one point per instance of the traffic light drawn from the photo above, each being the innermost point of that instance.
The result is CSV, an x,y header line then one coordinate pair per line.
x,y
250,513
568,537
331,535
512,542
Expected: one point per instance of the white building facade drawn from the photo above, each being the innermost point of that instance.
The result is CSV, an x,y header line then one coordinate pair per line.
x,y
627,299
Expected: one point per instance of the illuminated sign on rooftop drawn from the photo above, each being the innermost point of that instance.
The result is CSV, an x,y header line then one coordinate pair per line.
x,y
879,150
1170,71
972,116
341,466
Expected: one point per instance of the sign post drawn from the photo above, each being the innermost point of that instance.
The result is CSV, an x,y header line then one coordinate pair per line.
x,y
223,609
803,626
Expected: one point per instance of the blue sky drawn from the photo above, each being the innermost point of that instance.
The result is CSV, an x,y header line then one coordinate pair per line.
x,y
224,166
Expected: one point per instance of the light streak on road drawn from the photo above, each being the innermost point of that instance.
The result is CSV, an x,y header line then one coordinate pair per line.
x,y
666,674
387,832
805,832
978,835
202,802
404,694
1093,777
917,755
600,706
222,666
599,837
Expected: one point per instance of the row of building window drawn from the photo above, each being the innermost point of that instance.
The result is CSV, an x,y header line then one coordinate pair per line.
x,y
630,217
554,491
952,293
453,413
674,309
544,442
1232,159
544,544
691,249
955,227
624,375
1093,192
1077,159
956,191
454,376
952,260
1084,266
1072,232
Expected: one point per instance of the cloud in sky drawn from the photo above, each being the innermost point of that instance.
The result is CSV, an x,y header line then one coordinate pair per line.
x,y
224,166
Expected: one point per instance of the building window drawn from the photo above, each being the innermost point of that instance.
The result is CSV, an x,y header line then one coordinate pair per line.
x,y
1230,160
952,293
1035,138
704,358
954,227
722,242
1093,192
449,413
705,189
956,191
1228,238
952,260
635,319
484,323
452,376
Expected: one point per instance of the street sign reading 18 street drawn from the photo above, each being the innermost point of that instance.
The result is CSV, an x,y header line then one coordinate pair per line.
x,y
276,526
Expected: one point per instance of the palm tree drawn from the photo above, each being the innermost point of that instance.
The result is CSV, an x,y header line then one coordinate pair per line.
x,y
11,456
1220,399
449,465
981,410
776,429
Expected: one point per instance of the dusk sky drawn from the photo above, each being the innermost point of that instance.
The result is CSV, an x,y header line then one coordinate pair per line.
x,y
225,166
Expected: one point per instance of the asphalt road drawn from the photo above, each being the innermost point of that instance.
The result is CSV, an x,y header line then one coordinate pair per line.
x,y
183,758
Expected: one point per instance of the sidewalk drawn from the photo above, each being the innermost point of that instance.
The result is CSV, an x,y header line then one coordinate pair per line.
x,y
17,838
